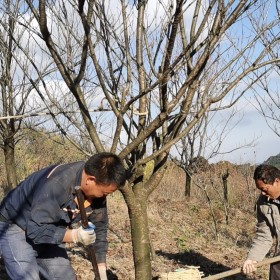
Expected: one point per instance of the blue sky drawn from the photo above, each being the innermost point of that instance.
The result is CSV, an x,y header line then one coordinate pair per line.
x,y
251,127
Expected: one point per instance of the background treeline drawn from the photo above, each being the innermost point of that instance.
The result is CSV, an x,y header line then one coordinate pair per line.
x,y
219,185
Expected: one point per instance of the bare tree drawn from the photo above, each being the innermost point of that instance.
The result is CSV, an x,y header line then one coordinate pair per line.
x,y
266,92
19,80
268,101
203,143
14,86
150,63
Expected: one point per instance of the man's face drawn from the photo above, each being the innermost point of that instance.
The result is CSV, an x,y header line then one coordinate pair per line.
x,y
103,190
93,190
269,190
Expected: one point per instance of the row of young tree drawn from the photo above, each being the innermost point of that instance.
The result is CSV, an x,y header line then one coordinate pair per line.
x,y
141,79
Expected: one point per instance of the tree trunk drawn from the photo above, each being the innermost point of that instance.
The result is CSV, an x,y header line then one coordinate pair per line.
x,y
10,166
225,188
188,185
225,184
137,208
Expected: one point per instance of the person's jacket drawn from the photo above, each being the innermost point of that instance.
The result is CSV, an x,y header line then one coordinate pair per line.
x,y
43,205
268,227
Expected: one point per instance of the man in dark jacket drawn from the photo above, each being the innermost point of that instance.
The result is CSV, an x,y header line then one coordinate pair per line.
x,y
36,217
267,179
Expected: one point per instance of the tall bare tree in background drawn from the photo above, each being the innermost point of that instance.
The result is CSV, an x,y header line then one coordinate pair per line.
x,y
267,100
266,95
14,86
19,80
142,75
203,143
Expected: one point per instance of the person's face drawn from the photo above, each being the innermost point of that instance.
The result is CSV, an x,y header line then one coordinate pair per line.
x,y
93,190
269,190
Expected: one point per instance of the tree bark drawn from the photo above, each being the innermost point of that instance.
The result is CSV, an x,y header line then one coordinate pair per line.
x,y
140,241
137,210
188,186
10,166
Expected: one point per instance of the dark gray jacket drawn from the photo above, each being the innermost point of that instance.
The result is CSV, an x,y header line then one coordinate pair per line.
x,y
267,228
42,205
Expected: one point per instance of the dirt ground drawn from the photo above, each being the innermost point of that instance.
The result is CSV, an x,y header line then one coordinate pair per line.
x,y
182,235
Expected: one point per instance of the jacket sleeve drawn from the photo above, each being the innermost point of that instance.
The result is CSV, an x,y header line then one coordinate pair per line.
x,y
263,239
47,220
99,217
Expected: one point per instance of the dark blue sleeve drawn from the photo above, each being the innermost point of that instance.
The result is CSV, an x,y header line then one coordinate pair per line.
x,y
47,223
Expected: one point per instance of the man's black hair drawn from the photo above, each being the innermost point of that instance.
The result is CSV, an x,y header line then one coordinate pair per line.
x,y
107,169
267,173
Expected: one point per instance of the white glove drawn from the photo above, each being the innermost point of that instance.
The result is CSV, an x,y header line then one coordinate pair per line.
x,y
102,272
85,236
248,266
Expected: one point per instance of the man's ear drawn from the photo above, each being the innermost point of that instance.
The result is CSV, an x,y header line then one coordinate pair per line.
x,y
90,179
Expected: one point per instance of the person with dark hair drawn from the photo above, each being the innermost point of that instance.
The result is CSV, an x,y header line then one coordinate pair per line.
x,y
267,180
37,218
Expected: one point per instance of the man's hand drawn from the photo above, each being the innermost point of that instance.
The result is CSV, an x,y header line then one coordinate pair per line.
x,y
248,266
85,236
102,271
